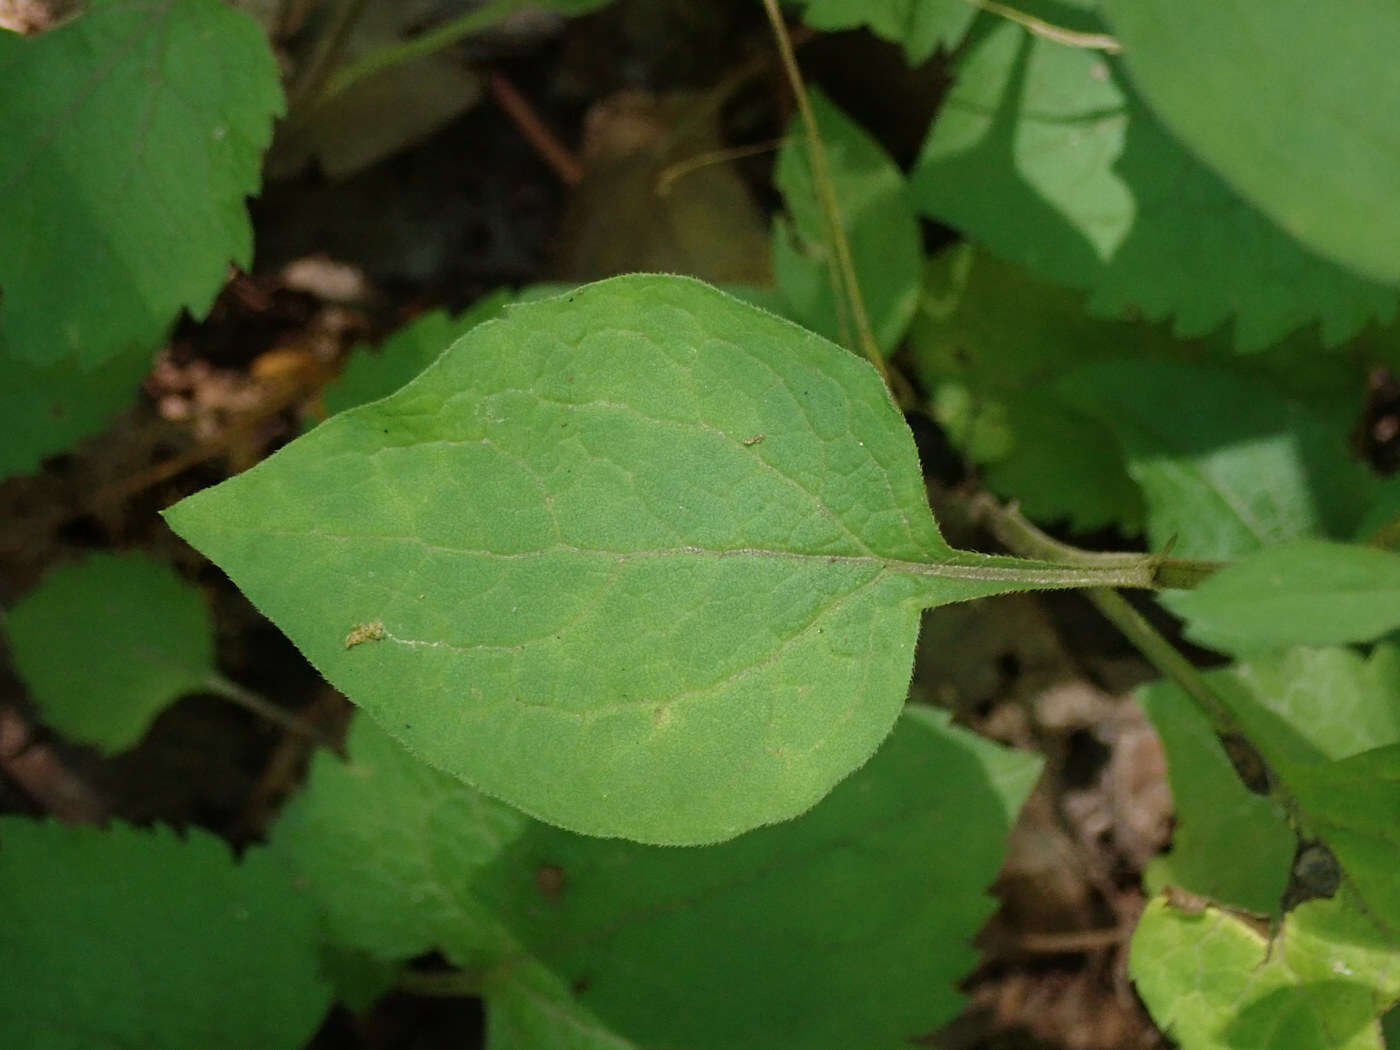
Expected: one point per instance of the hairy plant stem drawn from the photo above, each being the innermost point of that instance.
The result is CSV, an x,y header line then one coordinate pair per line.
x,y
843,272
1015,532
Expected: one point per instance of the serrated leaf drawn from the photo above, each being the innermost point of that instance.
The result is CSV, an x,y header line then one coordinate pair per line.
x,y
132,136
1226,465
989,342
1214,982
132,938
372,374
878,221
919,26
48,408
641,560
1043,153
105,644
1284,107
1310,592
849,923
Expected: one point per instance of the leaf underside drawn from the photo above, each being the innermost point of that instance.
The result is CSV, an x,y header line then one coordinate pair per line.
x,y
648,562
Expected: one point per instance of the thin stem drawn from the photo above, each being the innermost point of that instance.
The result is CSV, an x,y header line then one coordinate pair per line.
x,y
1050,31
1165,657
425,44
673,173
826,194
325,55
263,708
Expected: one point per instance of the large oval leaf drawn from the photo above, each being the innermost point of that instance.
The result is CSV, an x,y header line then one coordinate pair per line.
x,y
641,560
1292,101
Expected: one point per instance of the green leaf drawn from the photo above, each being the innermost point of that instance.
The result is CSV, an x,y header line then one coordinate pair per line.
x,y
1306,705
105,644
1226,464
47,408
133,134
1354,805
1044,154
1299,708
389,846
1228,844
1306,593
876,216
372,374
641,560
989,341
851,923
920,26
1214,982
1284,107
133,938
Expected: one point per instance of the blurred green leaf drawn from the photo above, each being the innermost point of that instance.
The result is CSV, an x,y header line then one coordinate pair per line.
x,y
1226,465
1217,817
1298,708
1044,154
640,560
48,408
1306,593
1285,107
134,938
989,341
1213,981
133,134
878,221
1353,804
105,644
850,923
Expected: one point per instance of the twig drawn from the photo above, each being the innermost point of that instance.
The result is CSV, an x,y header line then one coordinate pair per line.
x,y
536,133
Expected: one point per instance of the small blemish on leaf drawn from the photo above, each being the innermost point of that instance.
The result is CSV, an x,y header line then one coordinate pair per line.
x,y
365,632
549,880
757,439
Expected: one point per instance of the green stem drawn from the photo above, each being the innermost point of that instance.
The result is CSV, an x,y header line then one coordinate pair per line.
x,y
450,984
262,707
428,43
325,55
1165,657
844,270
1015,532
